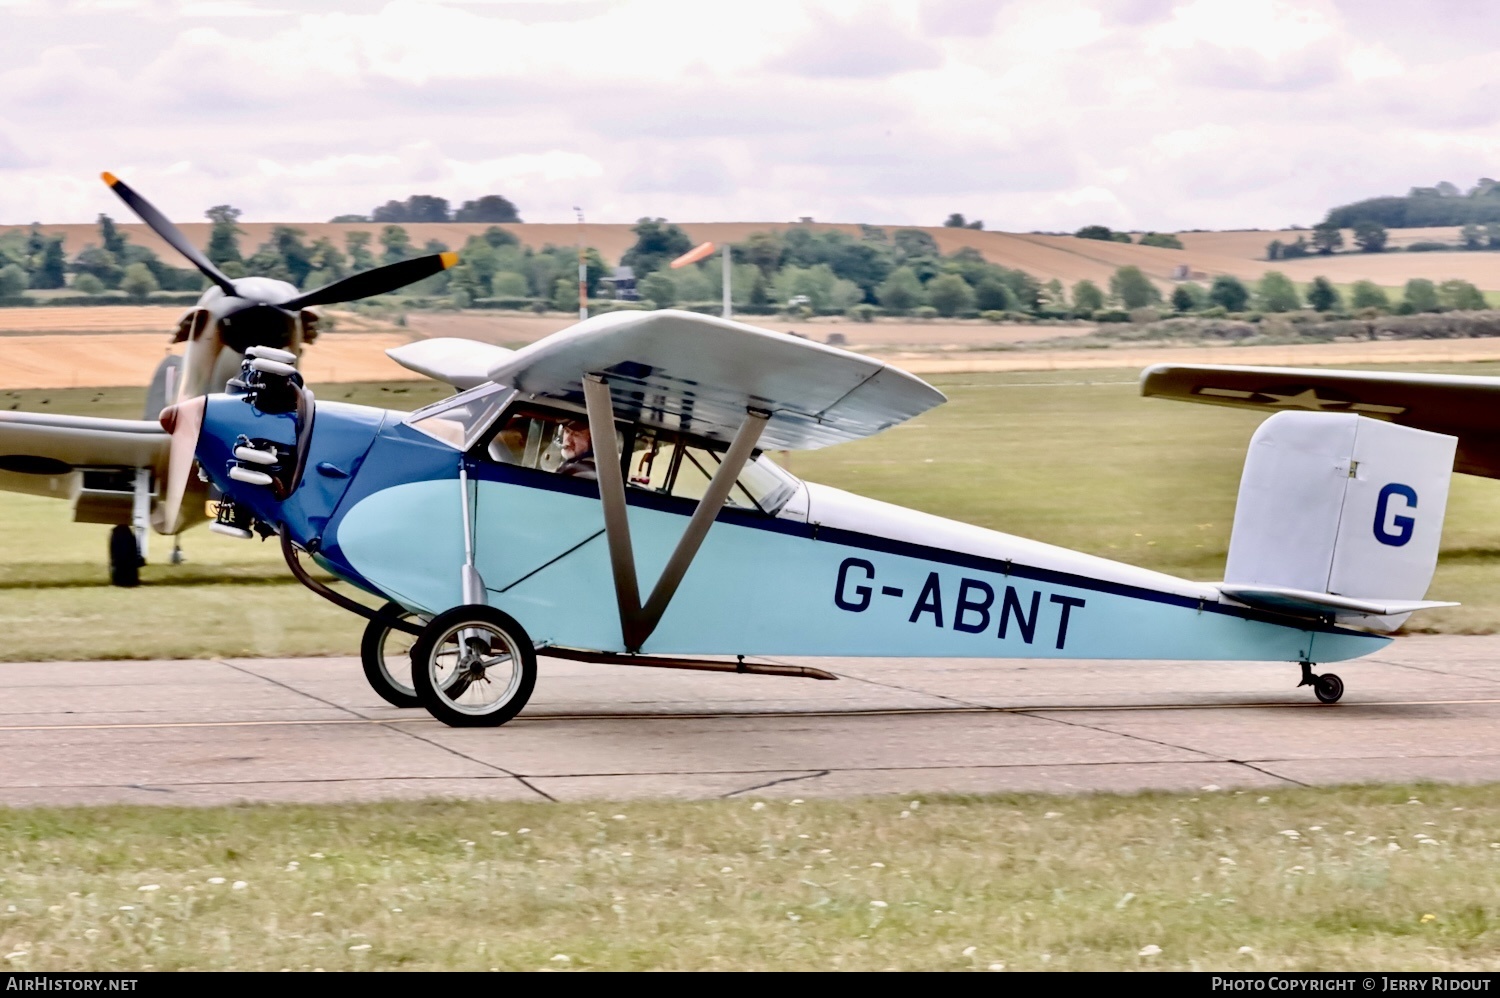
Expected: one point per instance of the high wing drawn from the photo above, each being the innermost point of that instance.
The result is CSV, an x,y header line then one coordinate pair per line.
x,y
699,374
1463,406
461,363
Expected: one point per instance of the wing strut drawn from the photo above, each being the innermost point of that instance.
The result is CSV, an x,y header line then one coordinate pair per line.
x,y
637,622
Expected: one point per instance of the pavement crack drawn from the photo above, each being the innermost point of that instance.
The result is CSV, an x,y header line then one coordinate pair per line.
x,y
389,727
1208,756
772,783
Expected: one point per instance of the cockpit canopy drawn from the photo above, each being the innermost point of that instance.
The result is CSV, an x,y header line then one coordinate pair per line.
x,y
493,423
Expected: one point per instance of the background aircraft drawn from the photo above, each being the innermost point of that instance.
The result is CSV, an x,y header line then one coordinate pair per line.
x,y
1462,406
111,469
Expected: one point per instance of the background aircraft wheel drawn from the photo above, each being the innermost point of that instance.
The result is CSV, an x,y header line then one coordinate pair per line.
x,y
124,558
1328,688
473,667
386,655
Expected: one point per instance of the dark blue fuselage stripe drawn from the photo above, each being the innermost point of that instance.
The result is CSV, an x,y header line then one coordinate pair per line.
x,y
528,478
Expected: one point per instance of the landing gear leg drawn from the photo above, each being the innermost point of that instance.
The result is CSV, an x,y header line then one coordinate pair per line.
x,y
1328,688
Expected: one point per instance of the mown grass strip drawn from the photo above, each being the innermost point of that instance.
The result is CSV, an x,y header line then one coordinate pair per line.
x,y
1350,878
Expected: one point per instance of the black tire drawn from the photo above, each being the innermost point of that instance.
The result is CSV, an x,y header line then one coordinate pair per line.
x,y
1328,688
377,662
124,558
454,687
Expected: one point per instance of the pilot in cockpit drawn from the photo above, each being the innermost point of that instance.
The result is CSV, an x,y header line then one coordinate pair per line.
x,y
577,451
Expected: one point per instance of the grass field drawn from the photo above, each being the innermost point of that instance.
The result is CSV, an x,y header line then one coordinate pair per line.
x,y
1074,458
1394,878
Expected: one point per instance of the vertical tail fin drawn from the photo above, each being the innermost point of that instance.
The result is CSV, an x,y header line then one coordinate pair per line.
x,y
1343,505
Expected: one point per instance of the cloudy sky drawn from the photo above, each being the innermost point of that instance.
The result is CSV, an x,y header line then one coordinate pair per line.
x,y
1029,114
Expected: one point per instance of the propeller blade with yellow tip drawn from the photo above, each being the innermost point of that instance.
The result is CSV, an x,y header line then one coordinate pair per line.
x,y
375,282
168,232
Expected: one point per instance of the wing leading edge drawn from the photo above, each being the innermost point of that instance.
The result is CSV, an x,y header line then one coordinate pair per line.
x,y
699,374
1462,406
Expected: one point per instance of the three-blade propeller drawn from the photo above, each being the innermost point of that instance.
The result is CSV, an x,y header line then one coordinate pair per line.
x,y
362,285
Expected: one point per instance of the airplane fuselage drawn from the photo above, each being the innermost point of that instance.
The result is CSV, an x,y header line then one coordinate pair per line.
x,y
828,573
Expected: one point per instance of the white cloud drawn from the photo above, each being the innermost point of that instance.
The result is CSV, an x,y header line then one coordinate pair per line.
x,y
1028,113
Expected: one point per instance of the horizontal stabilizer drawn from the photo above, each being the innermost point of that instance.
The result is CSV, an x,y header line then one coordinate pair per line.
x,y
458,362
1302,602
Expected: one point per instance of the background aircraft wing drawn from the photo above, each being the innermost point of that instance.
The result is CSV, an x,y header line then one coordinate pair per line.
x,y
1463,406
461,363
698,373
40,452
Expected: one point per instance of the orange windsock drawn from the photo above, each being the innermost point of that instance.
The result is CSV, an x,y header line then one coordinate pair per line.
x,y
693,255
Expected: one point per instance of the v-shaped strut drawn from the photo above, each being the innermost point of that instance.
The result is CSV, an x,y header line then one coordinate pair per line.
x,y
637,622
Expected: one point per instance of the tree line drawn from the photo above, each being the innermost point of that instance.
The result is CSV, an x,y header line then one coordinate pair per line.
x,y
1130,289
1441,204
428,208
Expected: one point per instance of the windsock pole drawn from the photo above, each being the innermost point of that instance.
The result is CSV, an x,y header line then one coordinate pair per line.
x,y
583,272
727,266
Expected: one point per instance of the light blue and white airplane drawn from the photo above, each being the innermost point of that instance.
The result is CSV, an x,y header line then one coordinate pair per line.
x,y
625,456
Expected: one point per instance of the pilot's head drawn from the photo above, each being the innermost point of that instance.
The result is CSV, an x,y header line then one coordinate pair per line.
x,y
576,440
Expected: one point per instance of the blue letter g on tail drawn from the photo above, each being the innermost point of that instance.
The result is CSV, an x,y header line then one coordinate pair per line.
x,y
1400,528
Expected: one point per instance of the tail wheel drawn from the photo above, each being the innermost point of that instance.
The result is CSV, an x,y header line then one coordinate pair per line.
x,y
124,558
473,667
385,653
1328,688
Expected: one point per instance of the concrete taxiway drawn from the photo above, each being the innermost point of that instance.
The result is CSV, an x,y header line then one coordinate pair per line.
x,y
218,731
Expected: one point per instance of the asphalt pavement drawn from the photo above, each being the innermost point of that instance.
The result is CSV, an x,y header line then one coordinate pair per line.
x,y
311,730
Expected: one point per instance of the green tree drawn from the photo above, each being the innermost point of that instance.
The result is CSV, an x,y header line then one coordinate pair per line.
x,y
52,269
1188,297
88,284
357,244
1274,249
992,294
295,256
509,284
763,249
950,295
1132,288
1460,296
657,243
901,291
138,281
693,284
1087,298
659,288
223,237
1296,249
1420,295
1161,239
498,237
1276,293
822,288
1492,235
1100,232
565,295
328,261
1323,296
1370,237
397,244
1328,238
110,235
490,208
1368,294
101,264
1472,236
12,280
1229,292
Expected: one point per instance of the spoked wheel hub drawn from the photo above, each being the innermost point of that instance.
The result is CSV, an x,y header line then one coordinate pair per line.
x,y
473,666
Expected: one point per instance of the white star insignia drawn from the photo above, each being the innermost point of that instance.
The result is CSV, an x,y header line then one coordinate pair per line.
x,y
1303,400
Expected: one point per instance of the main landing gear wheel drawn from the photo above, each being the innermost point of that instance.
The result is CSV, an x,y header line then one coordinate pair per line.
x,y
124,558
1328,688
385,653
473,667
